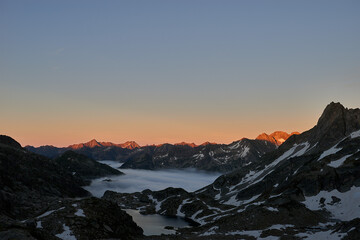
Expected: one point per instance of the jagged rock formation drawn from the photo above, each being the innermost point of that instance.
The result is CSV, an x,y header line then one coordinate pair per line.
x,y
308,186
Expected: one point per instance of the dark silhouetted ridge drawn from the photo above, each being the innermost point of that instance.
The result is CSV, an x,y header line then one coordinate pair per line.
x,y
6,140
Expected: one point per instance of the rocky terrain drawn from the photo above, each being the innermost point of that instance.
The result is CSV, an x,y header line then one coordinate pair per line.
x,y
42,198
210,157
308,187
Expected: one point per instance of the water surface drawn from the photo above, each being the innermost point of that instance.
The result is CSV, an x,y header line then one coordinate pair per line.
x,y
155,224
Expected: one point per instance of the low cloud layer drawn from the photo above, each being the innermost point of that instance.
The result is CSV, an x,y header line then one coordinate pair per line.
x,y
136,180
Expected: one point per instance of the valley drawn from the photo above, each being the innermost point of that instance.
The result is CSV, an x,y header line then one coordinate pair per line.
x,y
305,188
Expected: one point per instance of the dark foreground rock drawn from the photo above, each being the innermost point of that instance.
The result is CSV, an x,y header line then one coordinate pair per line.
x,y
89,218
38,198
84,166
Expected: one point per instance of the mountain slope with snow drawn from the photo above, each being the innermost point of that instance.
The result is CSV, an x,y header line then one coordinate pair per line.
x,y
212,157
308,187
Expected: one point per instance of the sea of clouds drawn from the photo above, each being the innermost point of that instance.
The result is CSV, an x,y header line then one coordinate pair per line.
x,y
136,180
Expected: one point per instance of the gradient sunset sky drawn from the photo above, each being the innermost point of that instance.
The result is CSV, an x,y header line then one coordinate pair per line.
x,y
172,71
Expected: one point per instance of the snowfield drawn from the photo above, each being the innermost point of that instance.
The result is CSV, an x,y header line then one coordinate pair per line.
x,y
346,209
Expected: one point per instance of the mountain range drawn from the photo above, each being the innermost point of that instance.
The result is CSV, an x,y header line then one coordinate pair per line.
x,y
207,156
306,188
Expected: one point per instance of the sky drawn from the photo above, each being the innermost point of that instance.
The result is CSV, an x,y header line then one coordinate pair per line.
x,y
171,71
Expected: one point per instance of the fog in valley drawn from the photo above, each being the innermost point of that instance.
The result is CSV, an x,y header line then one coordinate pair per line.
x,y
137,180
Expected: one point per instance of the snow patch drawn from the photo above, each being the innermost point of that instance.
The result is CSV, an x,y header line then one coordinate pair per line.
x,y
236,145
67,234
210,231
156,202
330,151
346,209
279,226
355,134
233,201
80,213
245,152
321,235
199,156
179,213
195,214
272,209
49,212
254,177
254,233
301,152
338,163
38,224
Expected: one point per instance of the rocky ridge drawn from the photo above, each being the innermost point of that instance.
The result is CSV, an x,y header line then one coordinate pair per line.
x,y
210,157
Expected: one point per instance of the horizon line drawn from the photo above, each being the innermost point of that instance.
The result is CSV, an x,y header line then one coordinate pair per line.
x,y
161,143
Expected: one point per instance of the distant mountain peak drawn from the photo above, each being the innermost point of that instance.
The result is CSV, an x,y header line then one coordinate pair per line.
x,y
94,143
91,144
130,145
207,143
186,144
277,137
